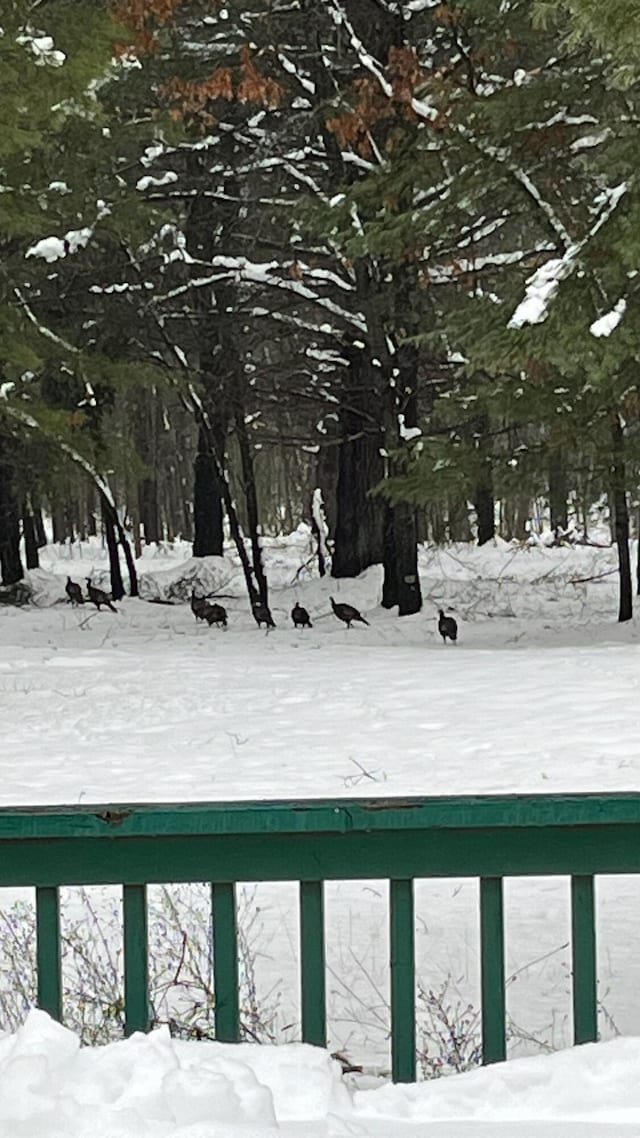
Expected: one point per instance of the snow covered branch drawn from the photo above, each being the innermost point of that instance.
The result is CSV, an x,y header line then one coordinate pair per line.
x,y
542,287
99,480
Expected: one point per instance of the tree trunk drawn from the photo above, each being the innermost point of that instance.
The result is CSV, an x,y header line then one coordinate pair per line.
x,y
58,522
251,499
320,530
401,584
41,537
358,534
92,528
390,587
117,585
10,563
115,534
557,493
359,516
207,504
206,223
30,539
326,478
516,515
483,499
458,522
621,518
485,512
131,565
148,510
146,434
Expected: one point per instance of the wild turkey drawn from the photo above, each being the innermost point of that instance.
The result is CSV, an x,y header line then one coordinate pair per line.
x,y
215,614
262,614
99,597
347,613
447,627
74,592
300,617
198,605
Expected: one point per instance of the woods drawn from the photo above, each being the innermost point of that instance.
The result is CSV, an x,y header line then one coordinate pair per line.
x,y
382,250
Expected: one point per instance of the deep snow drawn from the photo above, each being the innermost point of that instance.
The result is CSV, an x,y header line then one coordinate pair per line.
x,y
539,694
155,1087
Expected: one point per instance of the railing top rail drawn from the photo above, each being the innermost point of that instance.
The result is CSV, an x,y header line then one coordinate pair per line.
x,y
334,816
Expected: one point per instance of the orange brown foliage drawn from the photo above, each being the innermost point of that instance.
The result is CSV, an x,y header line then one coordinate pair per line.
x,y
447,14
405,72
192,100
254,87
143,17
372,106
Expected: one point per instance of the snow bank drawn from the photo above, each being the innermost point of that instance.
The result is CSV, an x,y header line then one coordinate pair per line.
x,y
594,1082
152,1085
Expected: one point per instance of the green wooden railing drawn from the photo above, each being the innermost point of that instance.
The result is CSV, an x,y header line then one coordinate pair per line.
x,y
313,841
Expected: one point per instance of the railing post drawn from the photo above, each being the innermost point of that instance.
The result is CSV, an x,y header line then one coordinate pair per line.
x,y
492,968
136,950
403,981
48,958
225,962
312,964
583,953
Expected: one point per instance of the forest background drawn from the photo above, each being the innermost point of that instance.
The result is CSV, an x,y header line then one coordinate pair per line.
x,y
378,254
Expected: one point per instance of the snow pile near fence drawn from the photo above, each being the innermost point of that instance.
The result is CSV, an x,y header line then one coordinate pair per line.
x,y
156,1087
597,1082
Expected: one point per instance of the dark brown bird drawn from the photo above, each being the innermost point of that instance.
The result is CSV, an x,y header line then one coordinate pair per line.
x,y
300,617
347,613
447,627
215,614
74,592
262,614
99,597
198,605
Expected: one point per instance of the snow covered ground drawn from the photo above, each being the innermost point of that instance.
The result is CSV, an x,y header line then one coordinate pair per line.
x,y
155,1087
540,694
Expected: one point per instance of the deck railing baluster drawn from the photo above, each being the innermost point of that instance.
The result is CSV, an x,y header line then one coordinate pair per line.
x,y
494,1048
136,964
48,953
583,952
312,964
225,962
403,981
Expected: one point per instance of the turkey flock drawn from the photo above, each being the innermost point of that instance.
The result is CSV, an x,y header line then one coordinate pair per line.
x,y
216,614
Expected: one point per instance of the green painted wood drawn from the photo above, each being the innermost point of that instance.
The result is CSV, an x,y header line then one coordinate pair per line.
x,y
48,958
514,851
494,1048
345,816
136,948
583,952
225,962
403,981
312,964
